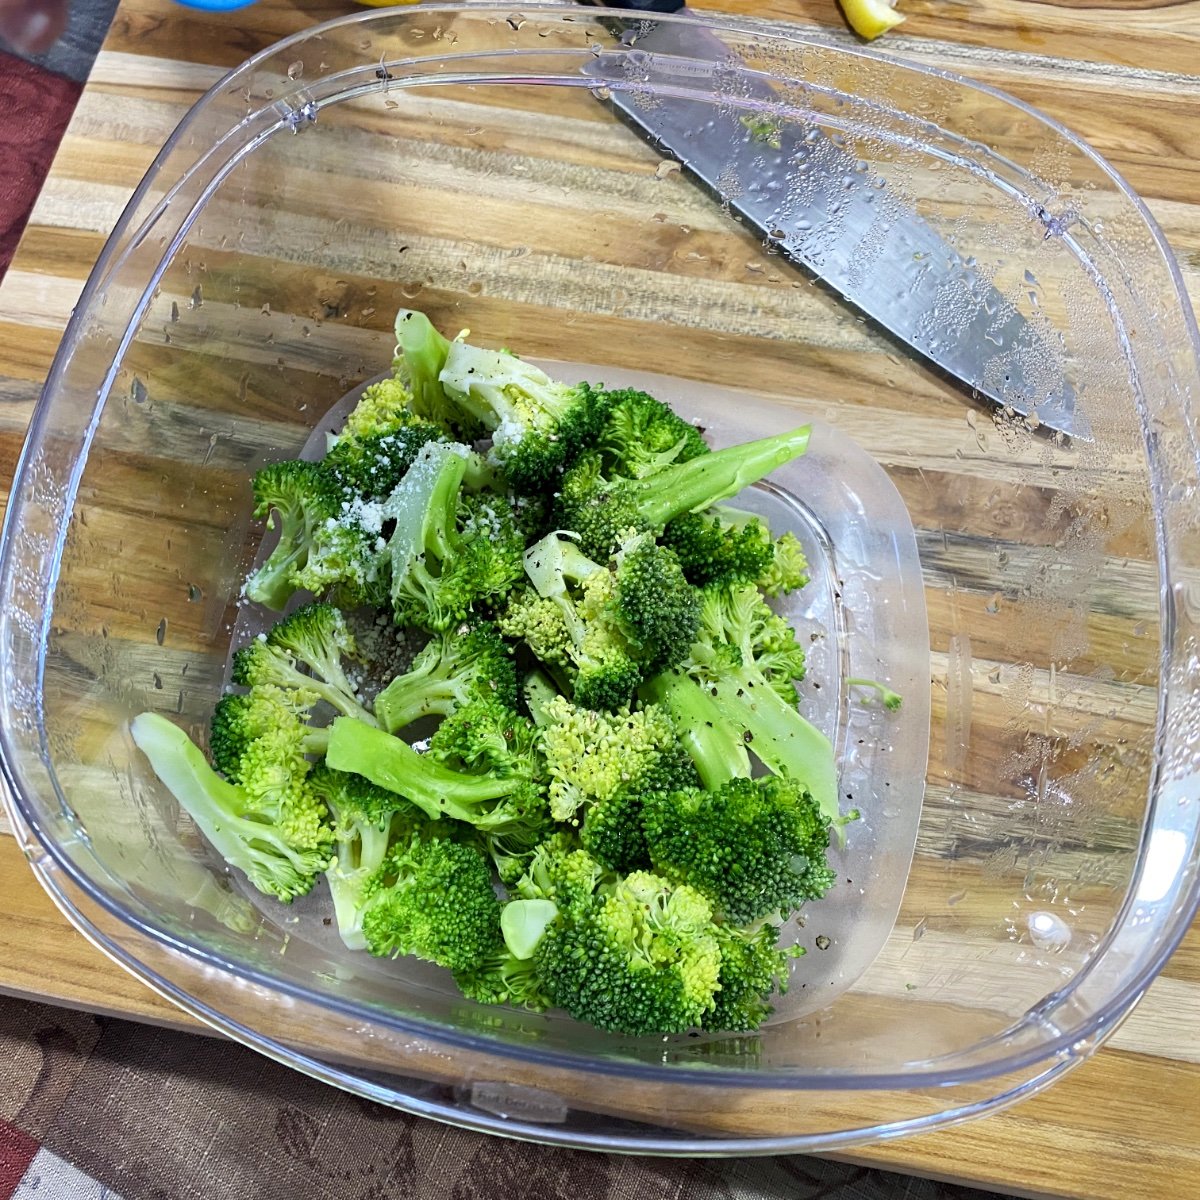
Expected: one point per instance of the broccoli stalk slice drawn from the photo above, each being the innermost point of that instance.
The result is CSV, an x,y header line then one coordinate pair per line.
x,y
522,924
256,847
714,745
423,353
539,692
551,564
889,699
389,762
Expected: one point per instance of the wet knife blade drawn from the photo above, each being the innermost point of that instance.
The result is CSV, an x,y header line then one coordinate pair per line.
x,y
810,198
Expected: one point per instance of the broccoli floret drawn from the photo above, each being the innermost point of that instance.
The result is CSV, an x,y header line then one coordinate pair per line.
x,y
486,735
591,755
371,466
639,957
744,662
271,826
433,898
536,423
298,498
245,724
383,407
641,435
438,572
609,628
494,802
752,967
788,571
601,510
366,820
753,847
561,872
316,636
502,978
456,667
889,699
260,663
725,547
712,550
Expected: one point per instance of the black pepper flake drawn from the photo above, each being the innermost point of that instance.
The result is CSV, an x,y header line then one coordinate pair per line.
x,y
747,737
823,943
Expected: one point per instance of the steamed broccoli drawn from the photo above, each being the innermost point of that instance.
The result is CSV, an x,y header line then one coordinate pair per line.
x,y
455,667
270,825
889,699
494,802
366,820
608,628
641,435
744,660
723,546
753,965
433,898
299,498
602,765
536,423
370,466
640,956
439,572
601,510
422,356
753,847
315,635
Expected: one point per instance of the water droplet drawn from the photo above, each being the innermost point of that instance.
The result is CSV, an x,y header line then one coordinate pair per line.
x,y
1048,931
474,287
160,634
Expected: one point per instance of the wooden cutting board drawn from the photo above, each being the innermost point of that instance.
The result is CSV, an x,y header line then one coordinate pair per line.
x,y
1123,1125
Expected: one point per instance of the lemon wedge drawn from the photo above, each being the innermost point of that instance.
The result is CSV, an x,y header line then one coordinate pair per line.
x,y
870,18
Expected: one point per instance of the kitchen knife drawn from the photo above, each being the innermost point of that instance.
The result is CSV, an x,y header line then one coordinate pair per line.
x,y
800,191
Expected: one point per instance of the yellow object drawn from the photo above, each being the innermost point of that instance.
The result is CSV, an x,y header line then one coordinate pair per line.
x,y
870,18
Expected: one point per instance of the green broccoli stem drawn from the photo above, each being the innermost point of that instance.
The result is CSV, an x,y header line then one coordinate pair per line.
x,y
424,351
214,804
406,700
716,748
709,478
270,585
779,736
391,763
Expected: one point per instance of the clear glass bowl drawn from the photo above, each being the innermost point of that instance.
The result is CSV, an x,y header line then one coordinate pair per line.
x,y
462,160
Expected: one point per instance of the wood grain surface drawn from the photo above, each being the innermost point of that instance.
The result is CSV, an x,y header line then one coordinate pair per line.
x,y
1123,76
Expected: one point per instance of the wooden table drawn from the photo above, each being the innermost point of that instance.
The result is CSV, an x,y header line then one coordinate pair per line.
x,y
1122,75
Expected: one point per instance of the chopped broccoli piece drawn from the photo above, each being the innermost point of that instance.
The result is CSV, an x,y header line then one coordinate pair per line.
x,y
601,510
640,956
433,898
609,628
536,423
371,466
752,967
494,802
366,820
300,498
423,354
641,435
456,667
270,826
502,978
753,847
725,547
439,573
745,662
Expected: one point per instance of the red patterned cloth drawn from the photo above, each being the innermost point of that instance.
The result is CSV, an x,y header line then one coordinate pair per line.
x,y
37,106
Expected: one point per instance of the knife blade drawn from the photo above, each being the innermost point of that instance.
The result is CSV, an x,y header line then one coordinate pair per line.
x,y
811,199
